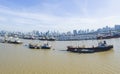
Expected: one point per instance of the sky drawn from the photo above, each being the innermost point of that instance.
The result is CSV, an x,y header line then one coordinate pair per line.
x,y
58,15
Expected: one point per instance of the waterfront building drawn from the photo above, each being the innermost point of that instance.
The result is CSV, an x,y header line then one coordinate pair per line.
x,y
74,35
87,36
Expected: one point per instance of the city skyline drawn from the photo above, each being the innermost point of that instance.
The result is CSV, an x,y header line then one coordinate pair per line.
x,y
62,15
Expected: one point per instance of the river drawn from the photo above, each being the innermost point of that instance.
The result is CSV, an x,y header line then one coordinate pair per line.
x,y
19,59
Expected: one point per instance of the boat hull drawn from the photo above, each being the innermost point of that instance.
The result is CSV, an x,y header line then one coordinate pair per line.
x,y
44,47
14,42
34,46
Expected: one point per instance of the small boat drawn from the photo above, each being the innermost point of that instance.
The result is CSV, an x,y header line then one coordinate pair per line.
x,y
89,50
34,46
42,38
47,38
46,46
14,40
4,39
51,39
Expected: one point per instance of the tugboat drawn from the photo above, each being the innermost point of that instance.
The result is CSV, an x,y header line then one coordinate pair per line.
x,y
99,48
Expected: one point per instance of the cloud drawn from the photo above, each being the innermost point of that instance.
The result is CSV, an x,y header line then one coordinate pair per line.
x,y
2,18
62,15
26,17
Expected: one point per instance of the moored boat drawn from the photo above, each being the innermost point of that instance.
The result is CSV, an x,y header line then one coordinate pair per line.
x,y
14,40
47,38
46,46
34,46
11,40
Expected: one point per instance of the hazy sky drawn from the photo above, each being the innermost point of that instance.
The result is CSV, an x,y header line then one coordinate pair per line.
x,y
61,15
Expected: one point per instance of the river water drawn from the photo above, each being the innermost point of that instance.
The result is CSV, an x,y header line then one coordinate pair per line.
x,y
19,59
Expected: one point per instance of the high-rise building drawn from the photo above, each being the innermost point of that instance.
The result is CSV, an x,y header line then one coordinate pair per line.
x,y
75,32
117,27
